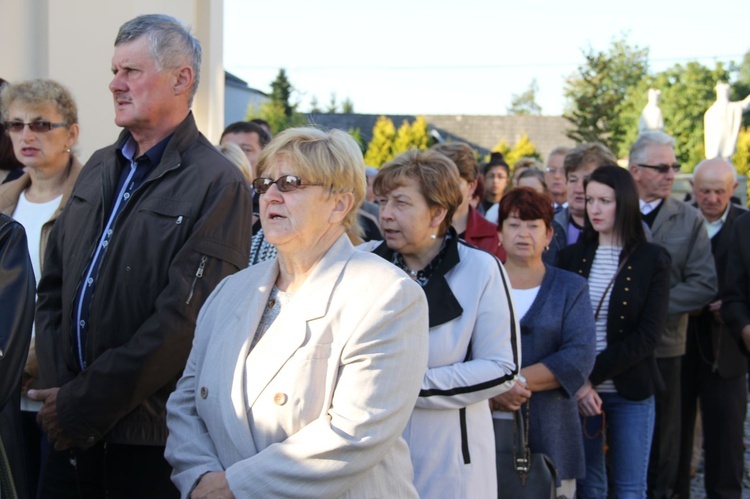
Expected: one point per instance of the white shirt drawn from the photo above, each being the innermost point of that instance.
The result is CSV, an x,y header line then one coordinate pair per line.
x,y
714,227
33,216
647,208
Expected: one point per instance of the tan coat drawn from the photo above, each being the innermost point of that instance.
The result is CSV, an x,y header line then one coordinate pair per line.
x,y
9,195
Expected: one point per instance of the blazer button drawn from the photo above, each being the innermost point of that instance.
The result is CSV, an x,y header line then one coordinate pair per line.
x,y
622,317
625,303
280,398
580,271
630,268
627,289
204,392
627,278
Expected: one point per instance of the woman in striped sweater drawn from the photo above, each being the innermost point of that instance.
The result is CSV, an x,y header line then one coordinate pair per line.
x,y
629,289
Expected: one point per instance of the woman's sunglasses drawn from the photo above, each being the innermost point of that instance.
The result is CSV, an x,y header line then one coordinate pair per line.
x,y
287,183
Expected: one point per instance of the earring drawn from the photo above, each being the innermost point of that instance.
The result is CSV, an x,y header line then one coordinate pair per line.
x,y
433,236
546,248
67,150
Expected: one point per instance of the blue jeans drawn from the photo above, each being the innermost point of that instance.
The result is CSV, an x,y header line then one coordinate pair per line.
x,y
630,427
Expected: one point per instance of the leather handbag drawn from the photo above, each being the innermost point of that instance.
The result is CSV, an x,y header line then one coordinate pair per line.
x,y
522,474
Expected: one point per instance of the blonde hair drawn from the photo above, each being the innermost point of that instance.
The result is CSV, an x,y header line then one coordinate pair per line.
x,y
331,158
234,153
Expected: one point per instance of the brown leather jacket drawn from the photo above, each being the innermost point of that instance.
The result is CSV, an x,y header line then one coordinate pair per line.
x,y
182,231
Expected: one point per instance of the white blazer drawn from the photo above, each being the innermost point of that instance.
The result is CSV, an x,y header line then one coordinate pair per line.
x,y
327,391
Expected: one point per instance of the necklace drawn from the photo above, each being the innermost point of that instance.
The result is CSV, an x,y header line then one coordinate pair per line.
x,y
413,274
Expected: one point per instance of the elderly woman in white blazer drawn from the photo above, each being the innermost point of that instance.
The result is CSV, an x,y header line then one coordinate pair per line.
x,y
304,369
474,344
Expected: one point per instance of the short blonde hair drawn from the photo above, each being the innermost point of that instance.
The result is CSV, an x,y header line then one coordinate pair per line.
x,y
331,158
234,154
436,175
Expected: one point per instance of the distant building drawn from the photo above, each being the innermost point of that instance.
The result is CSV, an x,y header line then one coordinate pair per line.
x,y
238,97
480,132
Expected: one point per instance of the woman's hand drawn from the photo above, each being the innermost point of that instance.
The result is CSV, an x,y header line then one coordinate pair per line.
x,y
512,399
589,402
212,485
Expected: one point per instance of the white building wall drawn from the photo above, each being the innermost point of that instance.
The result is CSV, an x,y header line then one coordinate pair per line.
x,y
72,41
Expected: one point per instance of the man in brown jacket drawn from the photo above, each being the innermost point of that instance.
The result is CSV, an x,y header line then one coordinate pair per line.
x,y
154,222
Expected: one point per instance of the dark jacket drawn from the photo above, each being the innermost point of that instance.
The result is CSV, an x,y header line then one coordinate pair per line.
x,y
636,319
718,347
735,300
182,231
16,317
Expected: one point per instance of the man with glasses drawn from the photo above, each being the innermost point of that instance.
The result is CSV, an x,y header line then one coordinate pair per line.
x,y
554,175
154,222
679,228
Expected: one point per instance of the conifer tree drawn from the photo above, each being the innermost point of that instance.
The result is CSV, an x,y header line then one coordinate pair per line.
x,y
380,148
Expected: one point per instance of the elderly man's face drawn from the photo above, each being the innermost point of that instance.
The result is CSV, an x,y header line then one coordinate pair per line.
x,y
141,94
652,184
713,186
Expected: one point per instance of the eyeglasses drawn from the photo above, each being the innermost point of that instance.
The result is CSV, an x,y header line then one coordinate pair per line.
x,y
662,168
287,183
34,126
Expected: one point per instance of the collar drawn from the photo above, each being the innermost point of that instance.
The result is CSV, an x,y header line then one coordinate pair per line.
x,y
713,227
154,155
653,204
442,303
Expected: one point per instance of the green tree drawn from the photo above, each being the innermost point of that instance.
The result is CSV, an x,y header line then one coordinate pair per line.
x,y
596,91
525,103
281,92
347,107
420,134
356,134
741,158
411,136
380,148
279,111
523,148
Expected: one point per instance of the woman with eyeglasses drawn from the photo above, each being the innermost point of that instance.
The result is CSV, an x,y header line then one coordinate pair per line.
x,y
474,339
305,368
629,289
41,118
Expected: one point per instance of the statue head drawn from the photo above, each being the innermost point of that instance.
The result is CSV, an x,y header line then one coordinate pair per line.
x,y
722,91
653,96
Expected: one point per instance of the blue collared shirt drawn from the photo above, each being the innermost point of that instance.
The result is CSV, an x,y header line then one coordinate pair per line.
x,y
134,173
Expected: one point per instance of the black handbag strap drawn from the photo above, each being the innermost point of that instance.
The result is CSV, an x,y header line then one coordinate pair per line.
x,y
521,451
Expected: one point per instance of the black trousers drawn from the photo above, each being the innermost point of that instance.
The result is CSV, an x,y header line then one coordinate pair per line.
x,y
723,404
108,471
665,448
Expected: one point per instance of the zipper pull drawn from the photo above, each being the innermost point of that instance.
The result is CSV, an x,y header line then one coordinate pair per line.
x,y
179,220
198,275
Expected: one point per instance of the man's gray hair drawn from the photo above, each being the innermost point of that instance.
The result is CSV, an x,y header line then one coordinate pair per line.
x,y
170,42
638,153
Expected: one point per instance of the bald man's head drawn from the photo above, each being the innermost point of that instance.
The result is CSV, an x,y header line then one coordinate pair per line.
x,y
714,182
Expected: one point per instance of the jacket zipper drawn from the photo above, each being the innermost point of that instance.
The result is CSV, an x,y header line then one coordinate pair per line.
x,y
198,275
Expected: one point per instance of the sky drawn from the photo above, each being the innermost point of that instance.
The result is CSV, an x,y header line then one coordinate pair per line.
x,y
464,56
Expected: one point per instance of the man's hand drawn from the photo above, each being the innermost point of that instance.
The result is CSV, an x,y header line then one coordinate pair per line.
x,y
47,417
512,399
212,485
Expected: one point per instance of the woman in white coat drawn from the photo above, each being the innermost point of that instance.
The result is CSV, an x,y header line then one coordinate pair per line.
x,y
473,332
304,369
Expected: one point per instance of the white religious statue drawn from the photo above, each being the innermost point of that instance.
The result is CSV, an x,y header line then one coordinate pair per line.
x,y
722,123
651,117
